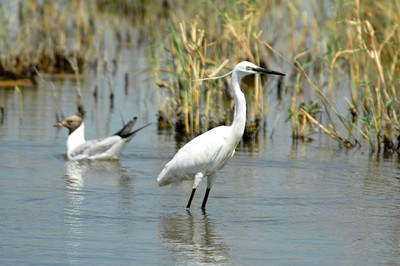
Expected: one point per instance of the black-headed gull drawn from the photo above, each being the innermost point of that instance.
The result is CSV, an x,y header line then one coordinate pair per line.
x,y
97,149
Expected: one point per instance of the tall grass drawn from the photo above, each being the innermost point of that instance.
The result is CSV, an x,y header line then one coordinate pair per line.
x,y
45,35
341,57
344,61
206,46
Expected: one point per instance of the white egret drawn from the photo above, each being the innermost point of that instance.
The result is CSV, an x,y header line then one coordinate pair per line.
x,y
207,153
106,148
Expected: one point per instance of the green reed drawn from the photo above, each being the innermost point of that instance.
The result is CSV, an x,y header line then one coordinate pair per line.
x,y
354,62
341,58
202,47
370,49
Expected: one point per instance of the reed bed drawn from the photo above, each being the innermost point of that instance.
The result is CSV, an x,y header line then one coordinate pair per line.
x,y
361,71
343,61
46,36
341,58
210,44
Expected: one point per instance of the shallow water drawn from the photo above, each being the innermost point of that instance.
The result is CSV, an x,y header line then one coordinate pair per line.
x,y
275,203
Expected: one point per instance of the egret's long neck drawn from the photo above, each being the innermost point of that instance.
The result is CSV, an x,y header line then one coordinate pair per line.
x,y
76,138
239,118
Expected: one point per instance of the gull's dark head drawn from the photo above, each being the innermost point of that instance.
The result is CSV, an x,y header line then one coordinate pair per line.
x,y
72,122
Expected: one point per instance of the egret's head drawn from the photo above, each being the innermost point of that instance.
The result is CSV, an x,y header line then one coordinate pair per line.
x,y
245,68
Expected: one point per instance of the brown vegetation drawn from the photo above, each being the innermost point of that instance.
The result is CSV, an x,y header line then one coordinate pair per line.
x,y
341,57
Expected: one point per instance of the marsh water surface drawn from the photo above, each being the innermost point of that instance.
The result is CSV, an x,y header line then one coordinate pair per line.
x,y
275,203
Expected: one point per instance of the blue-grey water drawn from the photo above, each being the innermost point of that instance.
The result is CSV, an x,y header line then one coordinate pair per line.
x,y
275,203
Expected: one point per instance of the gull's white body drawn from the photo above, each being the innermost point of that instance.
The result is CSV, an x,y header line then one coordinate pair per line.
x,y
97,149
206,154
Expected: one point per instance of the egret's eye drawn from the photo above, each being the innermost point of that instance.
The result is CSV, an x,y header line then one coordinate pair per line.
x,y
249,68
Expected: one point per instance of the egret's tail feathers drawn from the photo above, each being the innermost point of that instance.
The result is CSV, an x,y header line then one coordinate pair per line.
x,y
162,179
166,178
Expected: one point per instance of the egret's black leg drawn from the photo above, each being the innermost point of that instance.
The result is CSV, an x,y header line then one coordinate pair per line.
x,y
203,206
191,198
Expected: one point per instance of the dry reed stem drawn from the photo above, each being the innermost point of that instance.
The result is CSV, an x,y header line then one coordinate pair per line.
x,y
323,97
373,52
333,62
269,47
333,134
218,69
313,85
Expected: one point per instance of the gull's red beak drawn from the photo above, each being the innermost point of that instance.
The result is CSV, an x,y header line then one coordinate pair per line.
x,y
60,124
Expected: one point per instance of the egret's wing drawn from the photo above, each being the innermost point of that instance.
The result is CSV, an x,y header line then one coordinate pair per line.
x,y
205,153
201,150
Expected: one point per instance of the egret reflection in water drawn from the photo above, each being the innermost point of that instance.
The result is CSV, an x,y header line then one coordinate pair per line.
x,y
192,239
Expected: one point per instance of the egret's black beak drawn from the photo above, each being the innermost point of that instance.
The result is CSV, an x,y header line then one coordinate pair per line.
x,y
267,71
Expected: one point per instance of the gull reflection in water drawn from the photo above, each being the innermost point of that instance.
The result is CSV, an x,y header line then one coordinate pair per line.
x,y
78,175
74,171
192,240
74,208
109,173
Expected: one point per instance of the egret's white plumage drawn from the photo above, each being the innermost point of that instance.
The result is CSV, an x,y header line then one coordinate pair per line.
x,y
97,149
206,154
